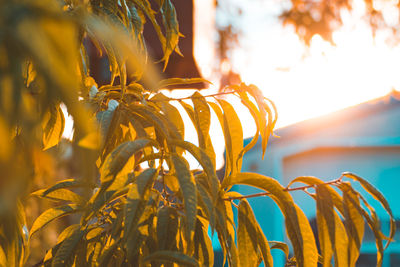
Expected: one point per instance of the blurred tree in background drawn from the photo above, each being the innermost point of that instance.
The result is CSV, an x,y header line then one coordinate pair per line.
x,y
133,199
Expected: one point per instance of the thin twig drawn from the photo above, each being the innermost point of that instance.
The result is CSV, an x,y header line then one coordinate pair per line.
x,y
301,188
191,97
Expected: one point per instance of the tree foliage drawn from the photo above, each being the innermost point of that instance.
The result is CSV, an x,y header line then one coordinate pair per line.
x,y
137,200
324,17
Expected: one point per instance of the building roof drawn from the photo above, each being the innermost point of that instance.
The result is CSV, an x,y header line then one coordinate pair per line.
x,y
340,118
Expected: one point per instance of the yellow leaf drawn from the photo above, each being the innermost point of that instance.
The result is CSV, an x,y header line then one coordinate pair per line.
x,y
91,141
53,129
297,225
52,214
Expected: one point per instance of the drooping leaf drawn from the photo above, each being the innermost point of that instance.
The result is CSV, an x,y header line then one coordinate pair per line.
x,y
117,159
171,112
256,116
172,256
167,228
202,118
203,135
297,225
332,234
205,162
180,81
281,246
67,247
189,192
171,27
250,238
59,195
138,196
312,181
233,133
68,183
53,127
52,214
203,250
3,259
378,196
354,223
206,203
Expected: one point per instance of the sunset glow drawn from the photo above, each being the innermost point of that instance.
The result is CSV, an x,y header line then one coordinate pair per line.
x,y
309,82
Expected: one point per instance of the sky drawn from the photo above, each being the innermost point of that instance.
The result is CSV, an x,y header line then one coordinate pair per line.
x,y
308,82
304,82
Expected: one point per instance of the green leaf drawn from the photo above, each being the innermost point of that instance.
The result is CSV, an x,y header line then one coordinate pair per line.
x,y
256,116
53,127
378,196
233,133
172,256
206,203
298,228
180,81
202,118
310,180
59,195
354,222
67,232
266,126
117,159
67,248
3,259
325,224
171,27
281,246
171,112
205,142
52,214
189,192
201,156
63,184
250,238
167,228
138,195
203,250
332,234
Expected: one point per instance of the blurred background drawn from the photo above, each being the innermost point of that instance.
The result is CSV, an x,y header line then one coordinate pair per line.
x,y
331,67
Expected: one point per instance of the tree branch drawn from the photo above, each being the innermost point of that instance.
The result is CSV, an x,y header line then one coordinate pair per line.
x,y
190,97
334,182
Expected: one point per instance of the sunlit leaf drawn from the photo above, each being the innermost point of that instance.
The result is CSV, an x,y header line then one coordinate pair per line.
x,y
52,214
297,226
256,116
172,256
204,160
281,246
180,81
189,192
378,196
250,238
171,27
67,248
203,250
332,234
171,112
137,197
53,127
233,133
117,159
167,228
59,195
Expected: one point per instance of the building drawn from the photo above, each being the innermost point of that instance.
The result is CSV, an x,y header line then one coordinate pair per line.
x,y
364,139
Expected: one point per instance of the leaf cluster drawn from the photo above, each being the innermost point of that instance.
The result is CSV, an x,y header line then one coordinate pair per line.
x,y
144,205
